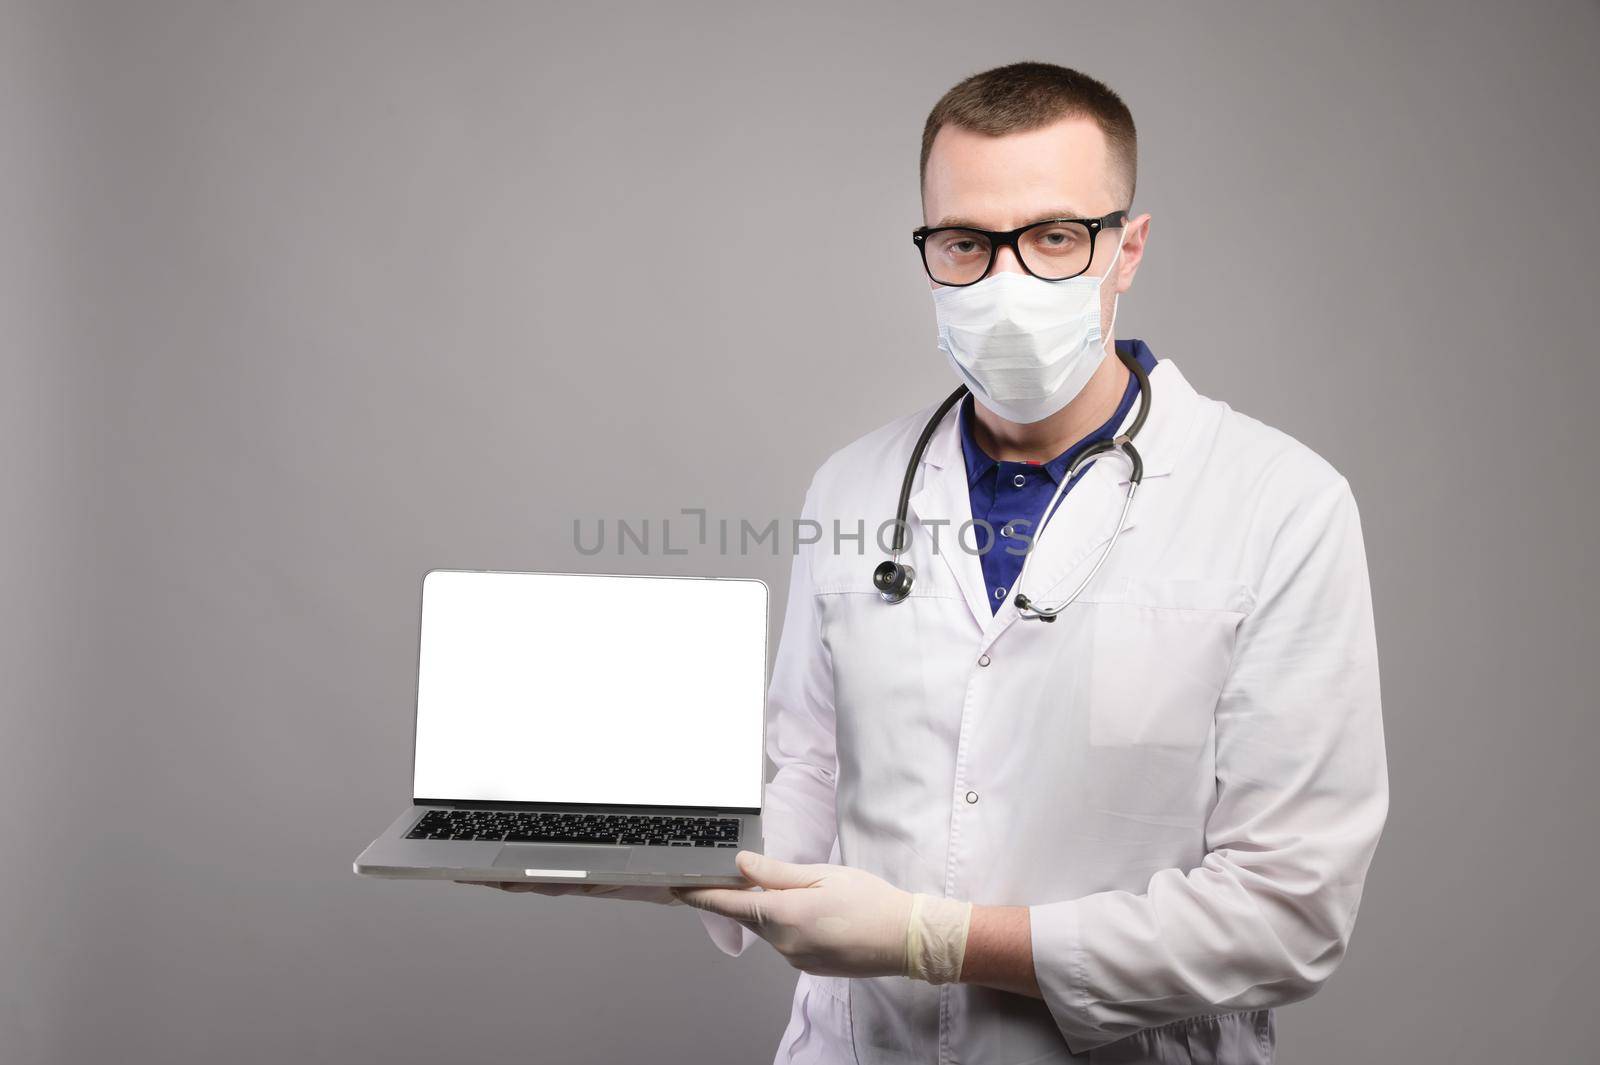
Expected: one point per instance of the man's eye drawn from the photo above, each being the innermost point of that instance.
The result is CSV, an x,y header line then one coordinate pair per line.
x,y
962,248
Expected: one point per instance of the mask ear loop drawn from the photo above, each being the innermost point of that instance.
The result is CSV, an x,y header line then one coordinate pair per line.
x,y
1111,326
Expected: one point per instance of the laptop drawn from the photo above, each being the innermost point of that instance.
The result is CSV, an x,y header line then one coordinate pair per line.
x,y
583,728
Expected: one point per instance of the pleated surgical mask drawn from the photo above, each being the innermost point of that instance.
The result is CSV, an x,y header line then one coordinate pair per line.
x,y
1025,346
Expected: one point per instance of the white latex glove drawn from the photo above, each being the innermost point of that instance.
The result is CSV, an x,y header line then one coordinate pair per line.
x,y
832,920
630,893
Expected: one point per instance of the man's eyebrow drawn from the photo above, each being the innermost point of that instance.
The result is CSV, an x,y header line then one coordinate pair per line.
x,y
1042,216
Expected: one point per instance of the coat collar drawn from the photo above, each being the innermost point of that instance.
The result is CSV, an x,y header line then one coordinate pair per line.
x,y
1080,525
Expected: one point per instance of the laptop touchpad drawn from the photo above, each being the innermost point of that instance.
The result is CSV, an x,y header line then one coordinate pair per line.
x,y
558,856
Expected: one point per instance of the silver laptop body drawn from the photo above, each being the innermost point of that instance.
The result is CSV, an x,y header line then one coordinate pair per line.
x,y
583,728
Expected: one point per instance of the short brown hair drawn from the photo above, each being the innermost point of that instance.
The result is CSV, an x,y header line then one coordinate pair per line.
x,y
1025,96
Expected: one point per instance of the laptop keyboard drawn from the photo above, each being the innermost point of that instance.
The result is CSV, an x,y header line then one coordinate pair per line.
x,y
539,826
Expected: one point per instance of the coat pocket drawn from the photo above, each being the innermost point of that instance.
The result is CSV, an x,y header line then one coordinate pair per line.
x,y
1245,1037
822,1032
1160,655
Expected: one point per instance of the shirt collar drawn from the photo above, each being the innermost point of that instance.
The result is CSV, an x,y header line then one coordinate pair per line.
x,y
979,463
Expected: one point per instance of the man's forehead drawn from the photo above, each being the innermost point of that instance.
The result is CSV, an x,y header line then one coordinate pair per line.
x,y
999,182
985,219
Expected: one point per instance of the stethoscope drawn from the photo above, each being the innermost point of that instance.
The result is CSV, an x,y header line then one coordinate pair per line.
x,y
893,578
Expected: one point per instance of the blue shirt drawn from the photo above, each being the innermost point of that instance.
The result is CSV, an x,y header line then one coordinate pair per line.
x,y
1011,496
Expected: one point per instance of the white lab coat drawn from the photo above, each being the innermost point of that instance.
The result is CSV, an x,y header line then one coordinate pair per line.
x,y
1183,777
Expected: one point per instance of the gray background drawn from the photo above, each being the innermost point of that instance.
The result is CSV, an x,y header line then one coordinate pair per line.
x,y
299,300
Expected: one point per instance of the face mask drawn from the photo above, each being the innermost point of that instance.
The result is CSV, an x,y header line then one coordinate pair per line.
x,y
1023,345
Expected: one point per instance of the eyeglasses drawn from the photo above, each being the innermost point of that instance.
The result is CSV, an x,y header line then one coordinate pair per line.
x,y
1054,250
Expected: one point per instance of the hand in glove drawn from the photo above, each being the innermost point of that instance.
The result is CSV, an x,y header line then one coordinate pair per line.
x,y
832,920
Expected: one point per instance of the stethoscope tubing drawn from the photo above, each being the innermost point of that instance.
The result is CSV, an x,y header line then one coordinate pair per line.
x,y
901,531
893,578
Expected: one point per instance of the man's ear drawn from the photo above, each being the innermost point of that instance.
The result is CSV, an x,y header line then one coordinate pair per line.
x,y
1138,232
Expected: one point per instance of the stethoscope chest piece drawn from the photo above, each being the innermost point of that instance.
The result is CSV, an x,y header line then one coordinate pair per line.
x,y
893,580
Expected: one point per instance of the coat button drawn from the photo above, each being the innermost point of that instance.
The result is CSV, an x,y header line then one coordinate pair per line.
x,y
972,796
983,660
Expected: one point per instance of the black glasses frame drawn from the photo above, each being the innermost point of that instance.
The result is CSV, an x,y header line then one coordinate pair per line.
x,y
998,240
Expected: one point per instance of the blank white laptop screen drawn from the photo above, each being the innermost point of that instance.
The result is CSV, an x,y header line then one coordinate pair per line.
x,y
559,687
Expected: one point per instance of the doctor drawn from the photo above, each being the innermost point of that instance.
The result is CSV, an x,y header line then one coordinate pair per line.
x,y
1125,835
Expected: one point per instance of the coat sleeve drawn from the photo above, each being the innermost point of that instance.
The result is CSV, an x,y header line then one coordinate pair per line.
x,y
798,814
1302,796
